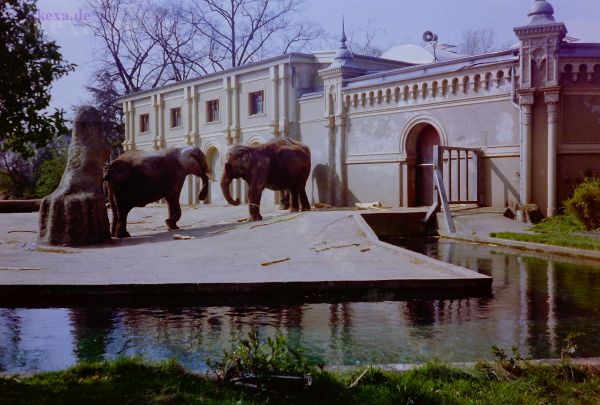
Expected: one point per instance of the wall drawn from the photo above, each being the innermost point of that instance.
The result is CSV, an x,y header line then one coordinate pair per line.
x,y
579,143
313,133
377,136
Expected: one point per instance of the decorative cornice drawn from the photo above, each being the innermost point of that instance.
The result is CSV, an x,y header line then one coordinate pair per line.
x,y
526,96
344,71
528,30
551,95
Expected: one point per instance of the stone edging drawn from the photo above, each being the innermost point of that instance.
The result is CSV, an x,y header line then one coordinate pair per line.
x,y
592,362
530,246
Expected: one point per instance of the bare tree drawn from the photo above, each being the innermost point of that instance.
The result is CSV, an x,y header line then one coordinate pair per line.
x,y
145,45
363,40
478,41
127,52
243,31
184,51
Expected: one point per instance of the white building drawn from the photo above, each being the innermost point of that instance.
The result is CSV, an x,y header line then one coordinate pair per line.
x,y
532,113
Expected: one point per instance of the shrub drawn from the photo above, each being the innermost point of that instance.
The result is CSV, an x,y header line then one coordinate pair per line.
x,y
253,358
51,172
585,203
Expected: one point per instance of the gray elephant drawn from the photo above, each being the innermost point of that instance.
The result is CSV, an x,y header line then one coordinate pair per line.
x,y
137,178
279,164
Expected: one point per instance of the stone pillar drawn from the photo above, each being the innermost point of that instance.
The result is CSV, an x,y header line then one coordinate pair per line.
x,y
235,109
274,75
126,120
284,115
526,111
75,213
132,120
340,162
189,138
196,141
157,120
162,142
235,128
227,111
331,160
552,107
189,98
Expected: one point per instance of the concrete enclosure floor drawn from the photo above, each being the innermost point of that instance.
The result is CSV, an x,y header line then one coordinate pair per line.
x,y
214,248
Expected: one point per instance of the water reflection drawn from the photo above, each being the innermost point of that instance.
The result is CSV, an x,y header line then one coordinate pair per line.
x,y
535,304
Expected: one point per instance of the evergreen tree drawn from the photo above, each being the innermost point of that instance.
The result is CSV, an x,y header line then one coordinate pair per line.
x,y
28,66
104,95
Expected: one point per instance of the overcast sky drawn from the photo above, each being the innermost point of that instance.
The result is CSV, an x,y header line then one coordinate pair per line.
x,y
393,21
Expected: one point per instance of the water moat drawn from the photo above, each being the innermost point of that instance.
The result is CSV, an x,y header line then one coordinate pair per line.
x,y
535,303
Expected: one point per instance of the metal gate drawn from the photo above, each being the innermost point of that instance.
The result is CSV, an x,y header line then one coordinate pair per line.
x,y
455,179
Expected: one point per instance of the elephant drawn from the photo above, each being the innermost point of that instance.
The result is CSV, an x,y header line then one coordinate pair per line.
x,y
137,178
279,164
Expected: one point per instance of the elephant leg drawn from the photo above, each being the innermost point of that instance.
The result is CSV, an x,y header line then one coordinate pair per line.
x,y
304,200
284,201
174,212
121,228
115,219
294,201
254,197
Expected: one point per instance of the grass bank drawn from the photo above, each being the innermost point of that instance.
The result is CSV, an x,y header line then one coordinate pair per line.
x,y
561,230
133,382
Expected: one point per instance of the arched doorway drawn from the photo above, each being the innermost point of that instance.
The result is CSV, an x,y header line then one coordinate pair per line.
x,y
428,137
212,158
419,153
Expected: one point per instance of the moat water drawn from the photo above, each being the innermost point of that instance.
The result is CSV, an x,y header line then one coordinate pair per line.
x,y
536,302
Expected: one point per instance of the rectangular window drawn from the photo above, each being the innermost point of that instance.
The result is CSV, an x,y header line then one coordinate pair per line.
x,y
175,117
144,123
257,100
212,111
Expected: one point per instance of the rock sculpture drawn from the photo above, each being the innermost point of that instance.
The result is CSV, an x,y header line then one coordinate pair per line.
x,y
75,213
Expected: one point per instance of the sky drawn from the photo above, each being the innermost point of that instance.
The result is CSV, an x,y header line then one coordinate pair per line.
x,y
393,22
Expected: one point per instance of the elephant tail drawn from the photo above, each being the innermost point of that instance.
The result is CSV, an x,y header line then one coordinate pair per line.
x,y
109,191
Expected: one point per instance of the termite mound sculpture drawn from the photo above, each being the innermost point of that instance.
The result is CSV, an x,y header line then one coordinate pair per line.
x,y
75,213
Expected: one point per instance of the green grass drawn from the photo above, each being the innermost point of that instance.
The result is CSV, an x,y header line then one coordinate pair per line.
x,y
133,382
559,230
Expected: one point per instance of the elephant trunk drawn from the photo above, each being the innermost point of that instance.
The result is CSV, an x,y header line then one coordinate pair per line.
x,y
225,183
204,191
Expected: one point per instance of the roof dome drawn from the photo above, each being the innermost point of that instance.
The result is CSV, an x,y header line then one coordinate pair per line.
x,y
343,56
416,54
541,12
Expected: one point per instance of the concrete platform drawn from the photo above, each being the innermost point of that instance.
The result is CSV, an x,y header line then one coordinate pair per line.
x,y
301,255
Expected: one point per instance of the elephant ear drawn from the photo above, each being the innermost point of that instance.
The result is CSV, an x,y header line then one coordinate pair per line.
x,y
245,157
193,160
201,159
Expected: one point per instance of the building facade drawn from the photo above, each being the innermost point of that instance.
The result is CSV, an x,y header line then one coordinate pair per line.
x,y
532,112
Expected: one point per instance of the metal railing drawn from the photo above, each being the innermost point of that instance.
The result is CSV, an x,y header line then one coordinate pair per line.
x,y
457,170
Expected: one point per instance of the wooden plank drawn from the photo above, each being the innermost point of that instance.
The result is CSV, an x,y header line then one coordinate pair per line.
x,y
445,206
450,174
458,173
467,174
476,163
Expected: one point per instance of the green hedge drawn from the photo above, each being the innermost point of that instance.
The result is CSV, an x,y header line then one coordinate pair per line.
x,y
585,203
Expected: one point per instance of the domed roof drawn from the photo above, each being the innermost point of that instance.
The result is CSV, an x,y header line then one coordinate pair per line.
x,y
541,12
408,53
343,56
416,54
